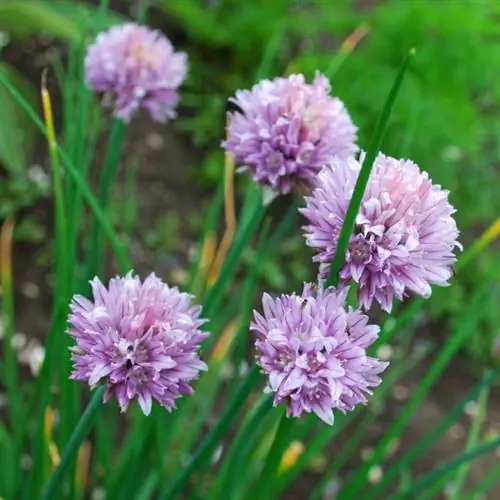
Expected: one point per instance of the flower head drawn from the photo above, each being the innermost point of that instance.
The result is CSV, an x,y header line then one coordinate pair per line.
x,y
314,351
141,338
404,236
137,68
287,130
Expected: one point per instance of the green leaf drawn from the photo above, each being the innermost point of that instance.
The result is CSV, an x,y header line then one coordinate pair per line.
x,y
60,19
364,174
17,131
428,479
466,324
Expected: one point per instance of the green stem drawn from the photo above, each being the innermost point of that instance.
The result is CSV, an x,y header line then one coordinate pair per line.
x,y
108,174
227,482
429,478
208,444
364,174
142,11
415,451
72,171
472,439
9,370
215,295
70,450
269,472
443,358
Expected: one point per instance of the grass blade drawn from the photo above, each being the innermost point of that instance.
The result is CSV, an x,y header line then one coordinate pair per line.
x,y
472,440
70,450
429,478
267,480
364,174
82,186
410,455
208,444
467,322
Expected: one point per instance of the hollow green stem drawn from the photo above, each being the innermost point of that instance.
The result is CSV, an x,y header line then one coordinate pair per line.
x,y
108,175
428,479
72,171
364,174
208,444
71,449
269,472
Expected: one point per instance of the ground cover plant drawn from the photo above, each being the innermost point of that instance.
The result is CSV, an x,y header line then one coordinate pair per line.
x,y
222,387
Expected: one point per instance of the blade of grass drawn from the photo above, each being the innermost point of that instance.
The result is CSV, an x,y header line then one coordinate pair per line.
x,y
132,452
364,175
71,170
106,180
348,45
228,476
8,481
466,323
198,272
70,450
266,483
62,266
472,440
208,444
149,486
428,479
249,287
9,369
430,438
245,310
246,228
345,453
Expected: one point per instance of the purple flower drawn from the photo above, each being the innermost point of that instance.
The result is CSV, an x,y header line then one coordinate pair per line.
x,y
404,237
287,130
137,68
314,351
140,338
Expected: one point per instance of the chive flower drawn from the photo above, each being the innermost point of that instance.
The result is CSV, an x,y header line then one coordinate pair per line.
x,y
135,68
141,339
313,350
404,237
287,129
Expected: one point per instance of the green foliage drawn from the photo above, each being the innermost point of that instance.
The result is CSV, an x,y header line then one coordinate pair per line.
x,y
451,94
64,20
16,130
217,441
445,120
227,43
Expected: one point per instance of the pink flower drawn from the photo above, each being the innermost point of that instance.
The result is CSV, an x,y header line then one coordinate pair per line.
x,y
137,68
404,237
140,338
313,349
287,130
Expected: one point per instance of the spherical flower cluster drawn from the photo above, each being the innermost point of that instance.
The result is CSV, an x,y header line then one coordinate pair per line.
x,y
137,68
313,350
287,130
404,237
140,338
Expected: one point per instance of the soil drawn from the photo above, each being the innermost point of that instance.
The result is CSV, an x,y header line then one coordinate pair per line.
x,y
164,184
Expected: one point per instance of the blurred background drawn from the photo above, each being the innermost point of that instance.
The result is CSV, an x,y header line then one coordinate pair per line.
x,y
445,119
